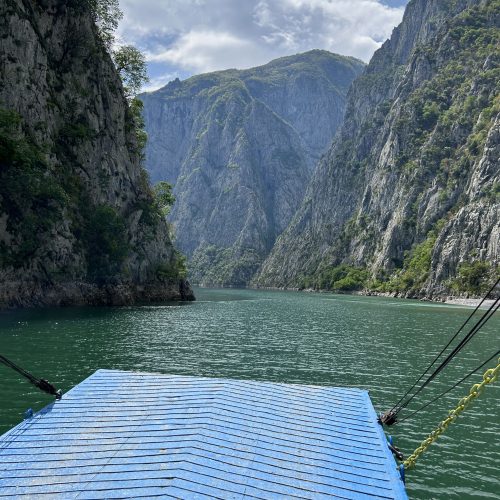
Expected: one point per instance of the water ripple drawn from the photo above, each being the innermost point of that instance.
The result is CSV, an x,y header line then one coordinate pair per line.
x,y
376,343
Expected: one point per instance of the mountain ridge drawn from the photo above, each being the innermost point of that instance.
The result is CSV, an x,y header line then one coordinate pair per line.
x,y
241,148
397,203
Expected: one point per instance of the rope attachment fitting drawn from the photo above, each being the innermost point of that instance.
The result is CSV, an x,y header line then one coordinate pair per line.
x,y
46,386
41,383
389,417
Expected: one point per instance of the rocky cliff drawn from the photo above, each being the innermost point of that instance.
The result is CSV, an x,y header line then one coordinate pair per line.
x,y
239,147
407,200
78,221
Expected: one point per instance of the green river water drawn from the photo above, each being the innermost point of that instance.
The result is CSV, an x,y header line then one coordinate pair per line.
x,y
376,343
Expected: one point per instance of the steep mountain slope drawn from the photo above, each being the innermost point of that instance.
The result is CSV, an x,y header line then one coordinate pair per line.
x,y
407,198
78,222
239,146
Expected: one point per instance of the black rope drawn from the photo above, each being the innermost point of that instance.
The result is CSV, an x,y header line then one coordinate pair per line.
x,y
447,345
42,384
450,389
390,416
482,321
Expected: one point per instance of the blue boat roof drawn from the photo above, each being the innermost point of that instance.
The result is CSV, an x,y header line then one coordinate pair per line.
x,y
131,435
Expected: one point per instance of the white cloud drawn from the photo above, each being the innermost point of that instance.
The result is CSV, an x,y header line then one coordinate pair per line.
x,y
195,36
204,51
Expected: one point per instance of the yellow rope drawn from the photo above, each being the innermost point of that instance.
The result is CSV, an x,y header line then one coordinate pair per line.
x,y
476,390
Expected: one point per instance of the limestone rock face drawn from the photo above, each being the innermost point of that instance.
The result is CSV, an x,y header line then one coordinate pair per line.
x,y
77,218
409,190
239,147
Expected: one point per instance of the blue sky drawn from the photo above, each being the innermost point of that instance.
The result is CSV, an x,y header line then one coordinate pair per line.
x,y
186,37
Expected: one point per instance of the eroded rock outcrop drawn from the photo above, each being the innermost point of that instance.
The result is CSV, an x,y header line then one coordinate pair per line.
x,y
78,222
407,200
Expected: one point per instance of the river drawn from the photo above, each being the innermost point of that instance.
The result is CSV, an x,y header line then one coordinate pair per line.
x,y
376,343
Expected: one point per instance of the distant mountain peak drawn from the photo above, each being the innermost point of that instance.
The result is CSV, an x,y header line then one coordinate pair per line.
x,y
240,146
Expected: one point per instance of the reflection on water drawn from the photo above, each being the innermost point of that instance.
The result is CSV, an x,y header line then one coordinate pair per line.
x,y
371,342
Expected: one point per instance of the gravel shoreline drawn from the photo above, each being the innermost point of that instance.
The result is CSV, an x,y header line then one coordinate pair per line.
x,y
469,302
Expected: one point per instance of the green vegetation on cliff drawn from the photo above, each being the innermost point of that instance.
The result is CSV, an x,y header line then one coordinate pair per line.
x,y
105,241
79,221
342,278
416,267
407,195
474,278
32,197
451,113
35,197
